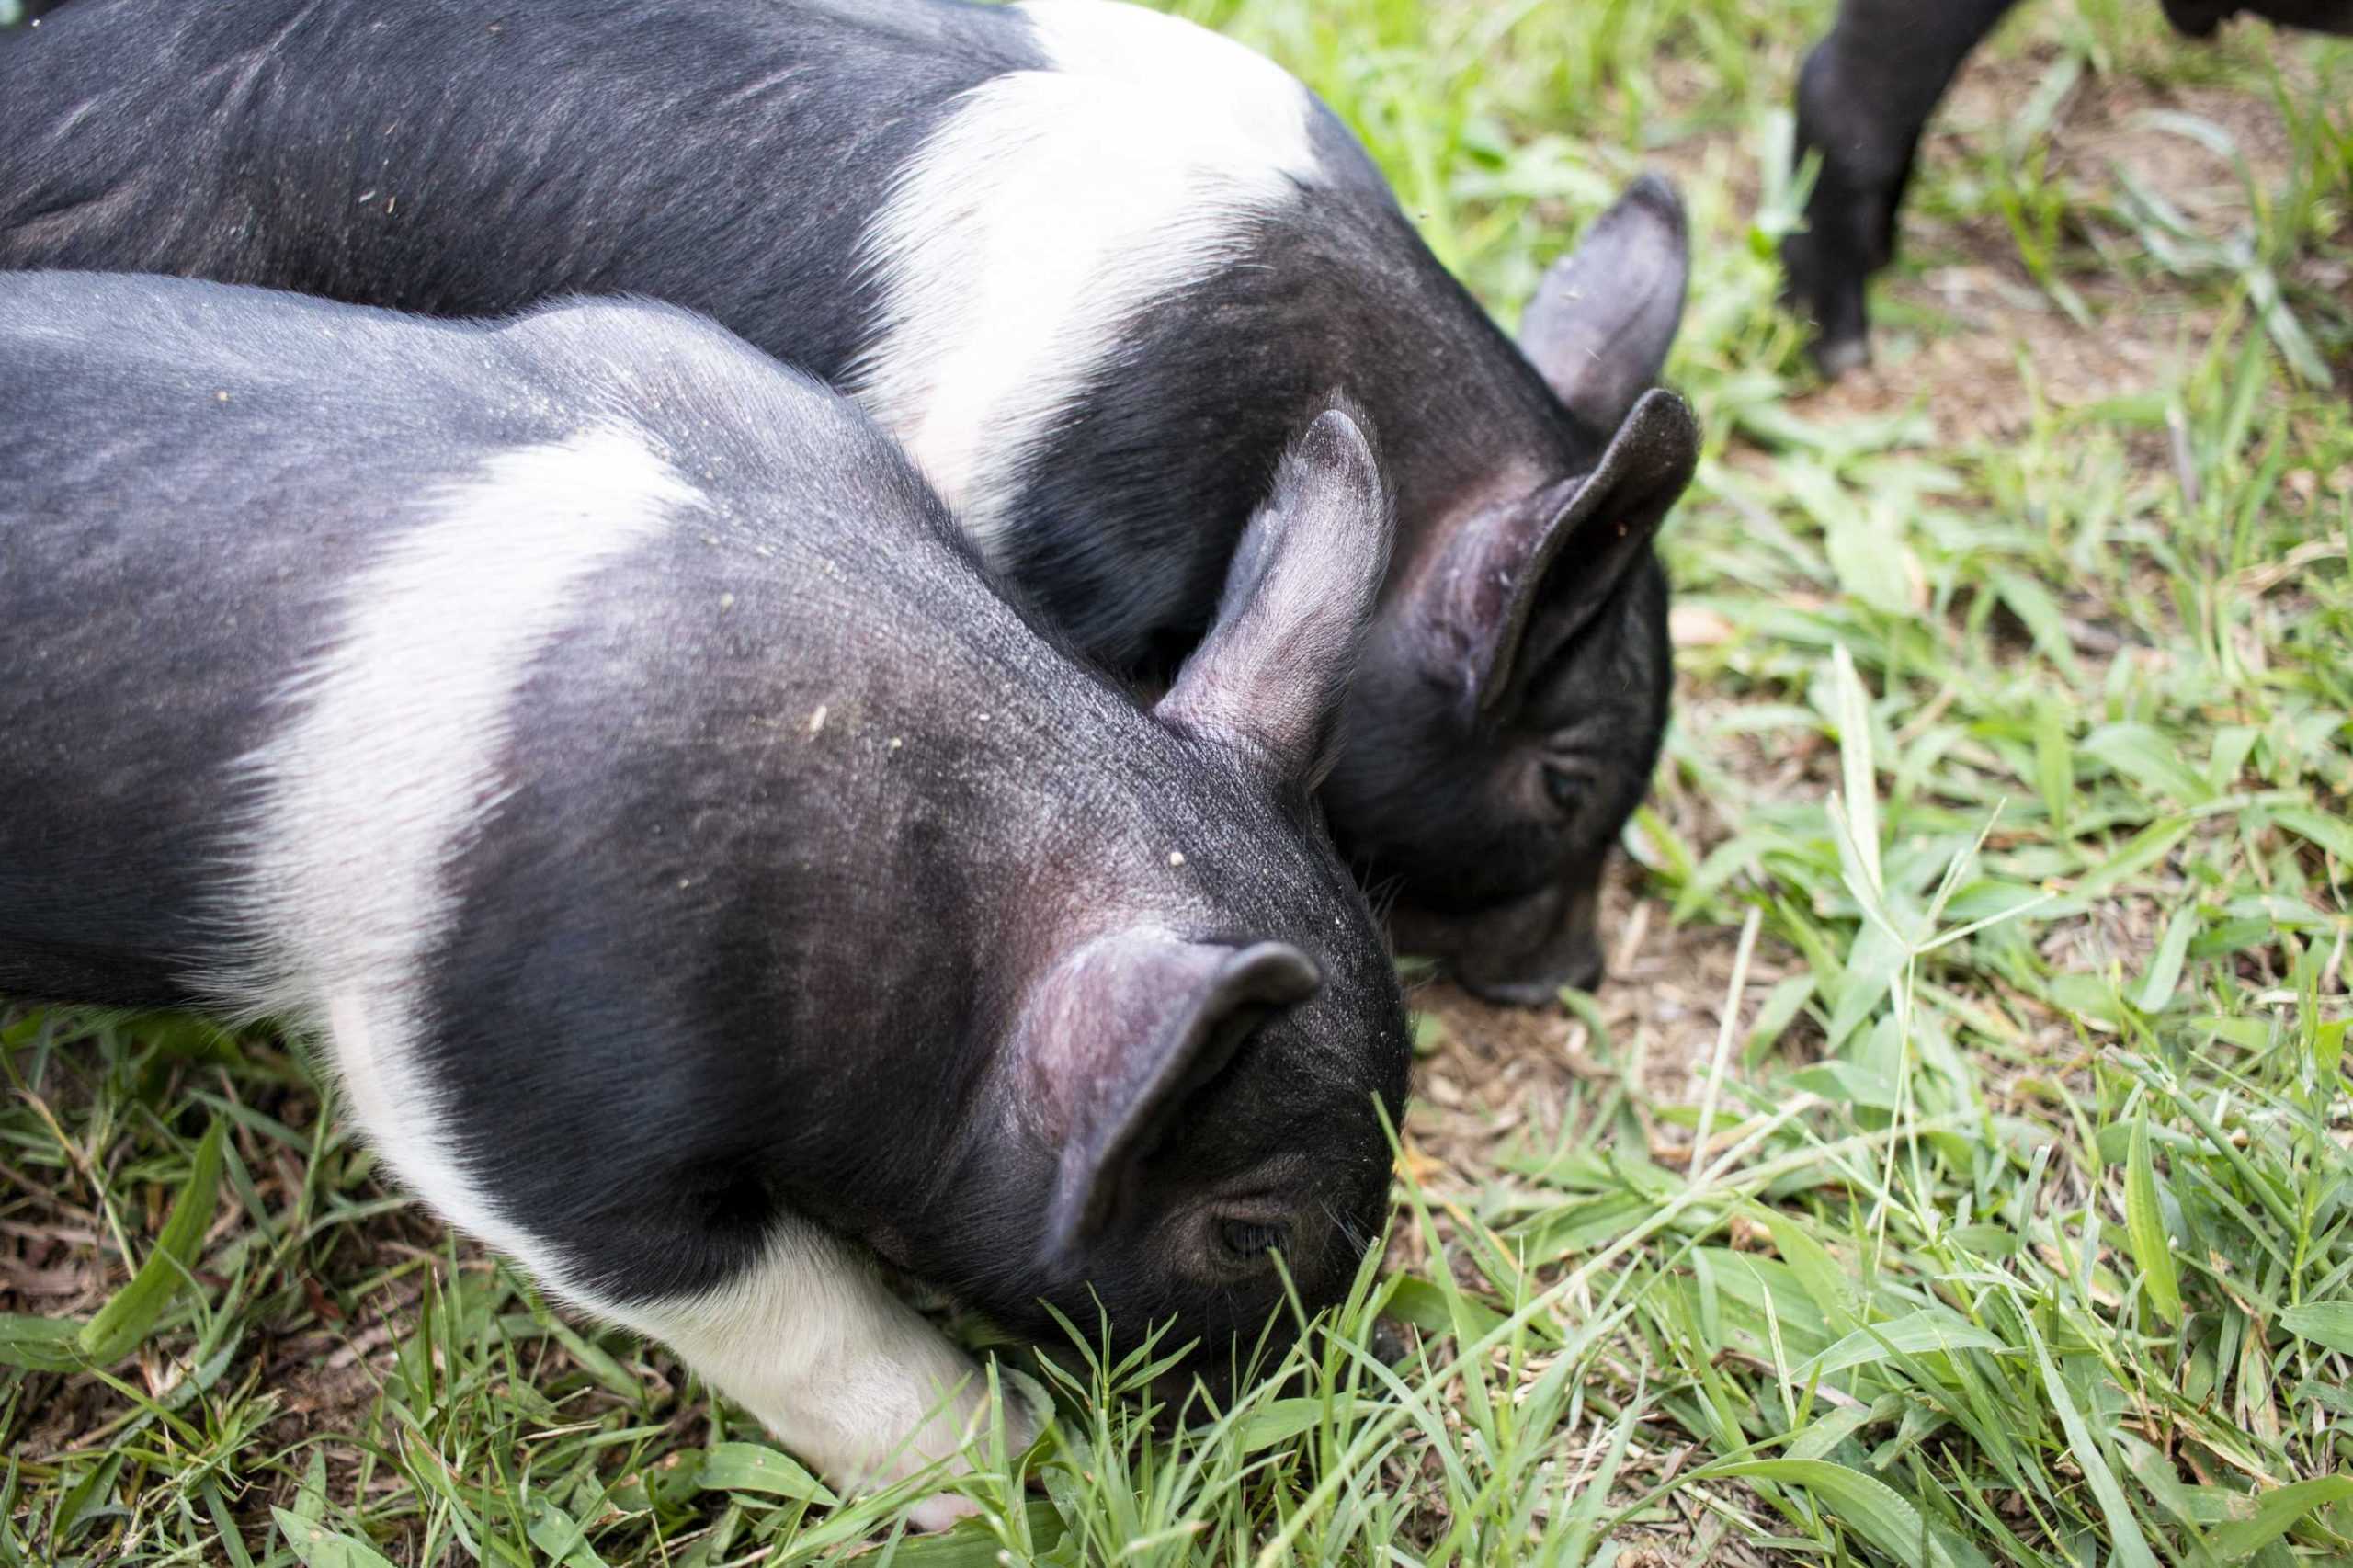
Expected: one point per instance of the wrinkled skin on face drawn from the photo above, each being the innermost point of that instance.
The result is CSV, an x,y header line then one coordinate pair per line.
x,y
1258,1142
1194,1239
1186,1111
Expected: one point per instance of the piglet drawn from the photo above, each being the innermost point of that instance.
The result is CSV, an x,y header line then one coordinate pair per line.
x,y
701,879
1094,266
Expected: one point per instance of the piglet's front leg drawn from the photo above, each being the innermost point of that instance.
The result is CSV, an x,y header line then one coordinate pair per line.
x,y
847,1376
807,1337
1864,97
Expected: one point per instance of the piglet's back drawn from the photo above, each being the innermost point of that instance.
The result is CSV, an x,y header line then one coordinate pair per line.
x,y
258,547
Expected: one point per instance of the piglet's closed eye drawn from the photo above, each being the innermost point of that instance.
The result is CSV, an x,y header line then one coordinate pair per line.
x,y
1269,676
1122,1035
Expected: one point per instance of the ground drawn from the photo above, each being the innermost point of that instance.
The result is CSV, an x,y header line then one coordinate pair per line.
x,y
2013,705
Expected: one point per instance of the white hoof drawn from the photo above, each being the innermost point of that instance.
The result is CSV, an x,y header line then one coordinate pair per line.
x,y
940,1512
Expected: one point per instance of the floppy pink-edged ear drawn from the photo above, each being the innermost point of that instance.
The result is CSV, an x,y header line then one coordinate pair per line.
x,y
1270,678
1605,315
1565,547
1122,1034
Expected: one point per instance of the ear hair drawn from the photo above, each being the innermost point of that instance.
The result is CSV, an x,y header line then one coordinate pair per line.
x,y
1135,1026
1605,315
1270,678
1568,545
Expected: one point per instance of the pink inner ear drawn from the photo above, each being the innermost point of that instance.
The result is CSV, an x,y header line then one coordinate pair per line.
x,y
1567,545
1139,1020
1268,678
1480,586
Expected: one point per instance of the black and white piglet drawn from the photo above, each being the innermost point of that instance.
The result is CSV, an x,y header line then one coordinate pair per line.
x,y
604,742
1094,265
1865,95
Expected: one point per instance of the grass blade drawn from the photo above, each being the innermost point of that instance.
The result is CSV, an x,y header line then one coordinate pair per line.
x,y
1925,1331
2144,1226
2131,1547
2328,1324
124,1322
2165,970
2276,1513
754,1467
1857,772
1874,1509
37,1343
2330,833
318,1546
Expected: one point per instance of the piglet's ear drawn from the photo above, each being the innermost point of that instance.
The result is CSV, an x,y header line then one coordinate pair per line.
x,y
1126,1031
1269,676
1605,315
1564,549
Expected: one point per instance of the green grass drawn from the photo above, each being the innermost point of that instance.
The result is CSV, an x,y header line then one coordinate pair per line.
x,y
2015,718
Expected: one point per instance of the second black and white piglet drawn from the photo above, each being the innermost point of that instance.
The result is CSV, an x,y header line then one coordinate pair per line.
x,y
606,744
1093,265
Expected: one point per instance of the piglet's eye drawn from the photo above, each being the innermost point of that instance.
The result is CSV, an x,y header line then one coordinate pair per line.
x,y
1567,790
1247,1238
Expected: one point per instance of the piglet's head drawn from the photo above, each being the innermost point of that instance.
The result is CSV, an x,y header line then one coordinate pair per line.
x,y
1514,696
1197,1076
1214,1114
